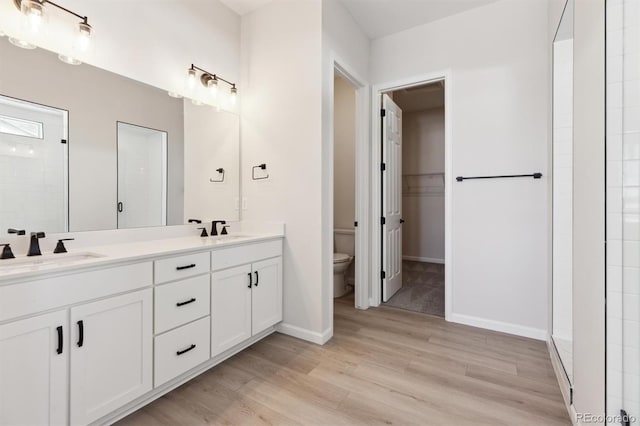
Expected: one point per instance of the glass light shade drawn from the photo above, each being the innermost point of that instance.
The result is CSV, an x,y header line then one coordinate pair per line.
x,y
83,37
21,43
213,87
233,97
69,59
191,78
33,15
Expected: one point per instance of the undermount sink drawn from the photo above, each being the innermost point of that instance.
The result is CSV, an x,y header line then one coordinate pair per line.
x,y
46,260
224,238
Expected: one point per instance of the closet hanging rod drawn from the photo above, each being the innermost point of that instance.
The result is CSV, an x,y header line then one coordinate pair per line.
x,y
536,175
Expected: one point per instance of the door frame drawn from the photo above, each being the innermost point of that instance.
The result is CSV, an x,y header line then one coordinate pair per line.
x,y
375,296
362,183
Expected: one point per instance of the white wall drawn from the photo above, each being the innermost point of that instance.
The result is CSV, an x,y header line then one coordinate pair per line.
x,y
281,126
152,42
344,154
422,191
344,42
500,116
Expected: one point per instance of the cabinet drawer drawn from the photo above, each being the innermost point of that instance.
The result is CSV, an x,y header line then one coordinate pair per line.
x,y
175,268
181,302
241,255
180,350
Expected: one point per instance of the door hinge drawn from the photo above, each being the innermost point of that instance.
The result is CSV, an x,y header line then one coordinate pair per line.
x,y
383,221
383,275
383,167
355,224
63,141
383,112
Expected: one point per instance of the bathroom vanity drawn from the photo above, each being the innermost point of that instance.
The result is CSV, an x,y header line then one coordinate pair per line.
x,y
92,335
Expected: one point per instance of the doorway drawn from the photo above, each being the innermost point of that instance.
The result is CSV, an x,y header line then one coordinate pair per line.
x,y
412,193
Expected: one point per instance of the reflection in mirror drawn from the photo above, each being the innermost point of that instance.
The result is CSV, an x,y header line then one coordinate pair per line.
x,y
563,189
142,177
113,160
33,166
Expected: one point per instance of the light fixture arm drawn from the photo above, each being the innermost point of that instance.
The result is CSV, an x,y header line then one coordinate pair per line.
x,y
85,19
215,76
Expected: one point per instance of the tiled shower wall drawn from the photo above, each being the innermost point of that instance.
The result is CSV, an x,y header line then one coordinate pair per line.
x,y
623,206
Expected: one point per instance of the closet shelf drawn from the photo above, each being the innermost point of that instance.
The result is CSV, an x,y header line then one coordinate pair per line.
x,y
423,184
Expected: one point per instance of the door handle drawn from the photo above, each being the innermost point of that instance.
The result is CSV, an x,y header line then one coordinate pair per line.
x,y
257,278
250,279
401,220
80,333
120,207
184,351
60,340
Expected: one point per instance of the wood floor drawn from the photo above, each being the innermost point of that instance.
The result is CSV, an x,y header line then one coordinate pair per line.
x,y
383,366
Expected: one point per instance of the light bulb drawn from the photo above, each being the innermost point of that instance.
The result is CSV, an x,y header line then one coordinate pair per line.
x,y
21,43
212,84
191,78
69,59
233,97
33,12
83,38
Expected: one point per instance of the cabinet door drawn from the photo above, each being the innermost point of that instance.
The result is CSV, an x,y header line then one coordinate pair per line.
x,y
230,308
267,294
111,354
34,356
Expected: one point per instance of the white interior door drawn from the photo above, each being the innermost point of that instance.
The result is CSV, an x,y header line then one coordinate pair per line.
x,y
391,198
142,177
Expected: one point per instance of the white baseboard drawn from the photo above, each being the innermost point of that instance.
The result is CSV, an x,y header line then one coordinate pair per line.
x,y
304,334
504,327
423,259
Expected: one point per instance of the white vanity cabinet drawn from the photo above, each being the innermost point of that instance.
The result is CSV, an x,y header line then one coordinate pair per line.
x,y
111,358
34,367
245,299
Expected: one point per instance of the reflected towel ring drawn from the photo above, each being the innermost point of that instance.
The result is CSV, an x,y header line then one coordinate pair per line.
x,y
220,171
262,166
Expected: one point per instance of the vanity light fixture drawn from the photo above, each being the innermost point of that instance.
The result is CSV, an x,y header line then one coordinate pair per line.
x,y
211,82
34,14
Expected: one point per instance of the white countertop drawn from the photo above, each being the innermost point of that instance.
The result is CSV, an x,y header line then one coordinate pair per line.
x,y
12,270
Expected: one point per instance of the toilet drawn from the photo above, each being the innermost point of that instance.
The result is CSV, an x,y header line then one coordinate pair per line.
x,y
344,247
341,263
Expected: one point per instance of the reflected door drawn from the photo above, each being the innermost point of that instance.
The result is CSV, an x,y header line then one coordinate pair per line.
x,y
142,177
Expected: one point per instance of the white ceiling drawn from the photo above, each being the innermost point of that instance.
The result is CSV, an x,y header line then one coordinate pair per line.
x,y
379,18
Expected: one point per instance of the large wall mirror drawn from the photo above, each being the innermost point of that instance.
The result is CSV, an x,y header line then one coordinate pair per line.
x,y
84,149
562,333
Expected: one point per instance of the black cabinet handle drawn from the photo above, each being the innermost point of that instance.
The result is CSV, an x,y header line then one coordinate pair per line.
x,y
184,351
120,207
257,279
60,340
180,268
186,302
250,279
401,220
80,333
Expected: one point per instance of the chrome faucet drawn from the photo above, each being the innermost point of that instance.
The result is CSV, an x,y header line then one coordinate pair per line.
x,y
34,244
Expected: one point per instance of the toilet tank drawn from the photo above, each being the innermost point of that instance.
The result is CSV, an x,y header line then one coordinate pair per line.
x,y
344,241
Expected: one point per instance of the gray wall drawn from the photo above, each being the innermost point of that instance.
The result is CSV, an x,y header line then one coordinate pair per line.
x,y
96,100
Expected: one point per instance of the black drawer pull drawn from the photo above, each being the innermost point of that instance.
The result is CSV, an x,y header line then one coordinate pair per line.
x,y
184,351
257,278
250,279
186,302
180,268
80,333
60,340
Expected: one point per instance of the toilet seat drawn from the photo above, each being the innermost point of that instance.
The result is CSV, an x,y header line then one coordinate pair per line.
x,y
341,258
